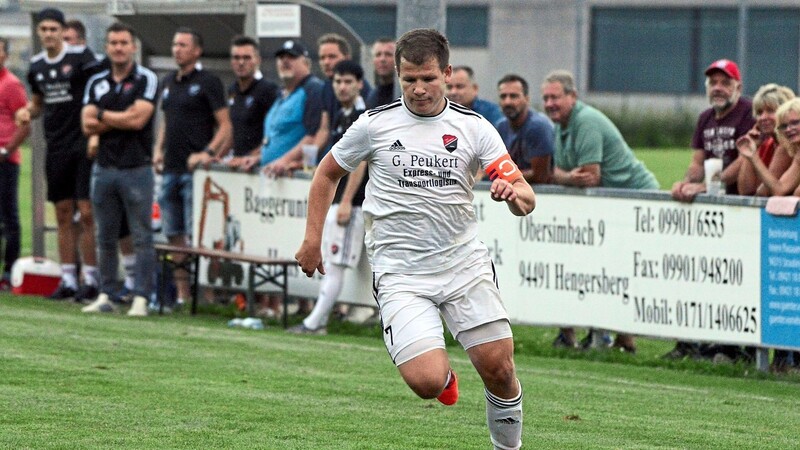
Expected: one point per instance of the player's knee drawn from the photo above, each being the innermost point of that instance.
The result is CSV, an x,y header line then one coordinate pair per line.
x,y
427,385
499,372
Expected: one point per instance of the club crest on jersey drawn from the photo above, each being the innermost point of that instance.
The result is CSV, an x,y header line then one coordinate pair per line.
x,y
165,94
53,73
66,69
194,89
248,101
450,142
101,89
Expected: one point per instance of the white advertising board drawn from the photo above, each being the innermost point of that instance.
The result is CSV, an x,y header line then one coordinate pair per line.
x,y
644,266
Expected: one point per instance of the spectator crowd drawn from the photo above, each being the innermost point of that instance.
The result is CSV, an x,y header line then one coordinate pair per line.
x,y
105,151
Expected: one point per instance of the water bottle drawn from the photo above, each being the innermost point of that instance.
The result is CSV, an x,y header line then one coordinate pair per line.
x,y
253,323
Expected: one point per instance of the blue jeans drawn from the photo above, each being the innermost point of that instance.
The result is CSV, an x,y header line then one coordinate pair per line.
x,y
118,194
175,200
9,212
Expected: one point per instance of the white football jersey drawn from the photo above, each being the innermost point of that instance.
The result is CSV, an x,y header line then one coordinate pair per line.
x,y
418,210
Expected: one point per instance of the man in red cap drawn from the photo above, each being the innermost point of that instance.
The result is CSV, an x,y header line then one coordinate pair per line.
x,y
718,127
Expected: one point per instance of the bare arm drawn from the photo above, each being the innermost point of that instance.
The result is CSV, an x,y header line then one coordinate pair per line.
x,y
696,171
32,110
158,148
18,137
692,183
293,159
517,194
135,117
320,196
583,176
781,161
731,173
350,189
89,123
220,142
540,171
777,186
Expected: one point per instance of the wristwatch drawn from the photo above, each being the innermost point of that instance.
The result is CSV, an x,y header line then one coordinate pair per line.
x,y
209,151
100,114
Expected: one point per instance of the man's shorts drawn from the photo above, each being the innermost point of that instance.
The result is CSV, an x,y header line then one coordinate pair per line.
x,y
175,200
342,245
467,296
69,173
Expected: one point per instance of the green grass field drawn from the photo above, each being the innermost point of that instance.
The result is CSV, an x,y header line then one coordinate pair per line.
x,y
73,381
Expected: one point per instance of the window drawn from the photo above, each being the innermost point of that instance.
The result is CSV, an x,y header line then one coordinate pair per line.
x,y
659,50
468,26
369,22
772,48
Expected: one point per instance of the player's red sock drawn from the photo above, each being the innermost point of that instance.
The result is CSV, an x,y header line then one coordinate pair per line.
x,y
449,395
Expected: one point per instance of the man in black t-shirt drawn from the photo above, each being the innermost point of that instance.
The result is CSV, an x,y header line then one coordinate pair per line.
x,y
195,131
57,77
249,99
119,105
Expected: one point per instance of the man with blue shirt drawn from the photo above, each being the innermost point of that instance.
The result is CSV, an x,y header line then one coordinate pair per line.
x,y
463,89
294,120
528,135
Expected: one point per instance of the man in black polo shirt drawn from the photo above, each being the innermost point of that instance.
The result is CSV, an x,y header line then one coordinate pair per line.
x,y
119,105
57,77
195,131
249,99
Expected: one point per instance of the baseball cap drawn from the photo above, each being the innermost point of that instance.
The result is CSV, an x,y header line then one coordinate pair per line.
x,y
51,14
727,66
292,47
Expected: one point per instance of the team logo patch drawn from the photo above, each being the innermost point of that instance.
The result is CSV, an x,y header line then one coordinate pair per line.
x,y
66,69
53,73
248,101
127,86
194,89
101,89
450,142
334,249
165,94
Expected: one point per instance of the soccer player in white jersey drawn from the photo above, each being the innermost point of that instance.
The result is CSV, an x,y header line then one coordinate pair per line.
x,y
421,231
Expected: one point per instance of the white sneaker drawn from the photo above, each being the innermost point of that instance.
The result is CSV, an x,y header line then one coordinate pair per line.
x,y
101,304
359,314
138,307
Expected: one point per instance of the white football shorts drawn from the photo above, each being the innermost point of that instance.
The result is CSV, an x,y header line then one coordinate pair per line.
x,y
342,245
466,296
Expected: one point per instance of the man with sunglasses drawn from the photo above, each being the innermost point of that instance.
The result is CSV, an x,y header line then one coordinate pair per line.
x,y
718,127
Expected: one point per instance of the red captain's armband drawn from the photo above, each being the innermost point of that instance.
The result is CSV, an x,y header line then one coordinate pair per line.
x,y
504,168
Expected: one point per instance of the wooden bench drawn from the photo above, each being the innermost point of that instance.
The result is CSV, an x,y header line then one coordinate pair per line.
x,y
258,274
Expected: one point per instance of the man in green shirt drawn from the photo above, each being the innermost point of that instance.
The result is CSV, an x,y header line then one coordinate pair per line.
x,y
590,151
